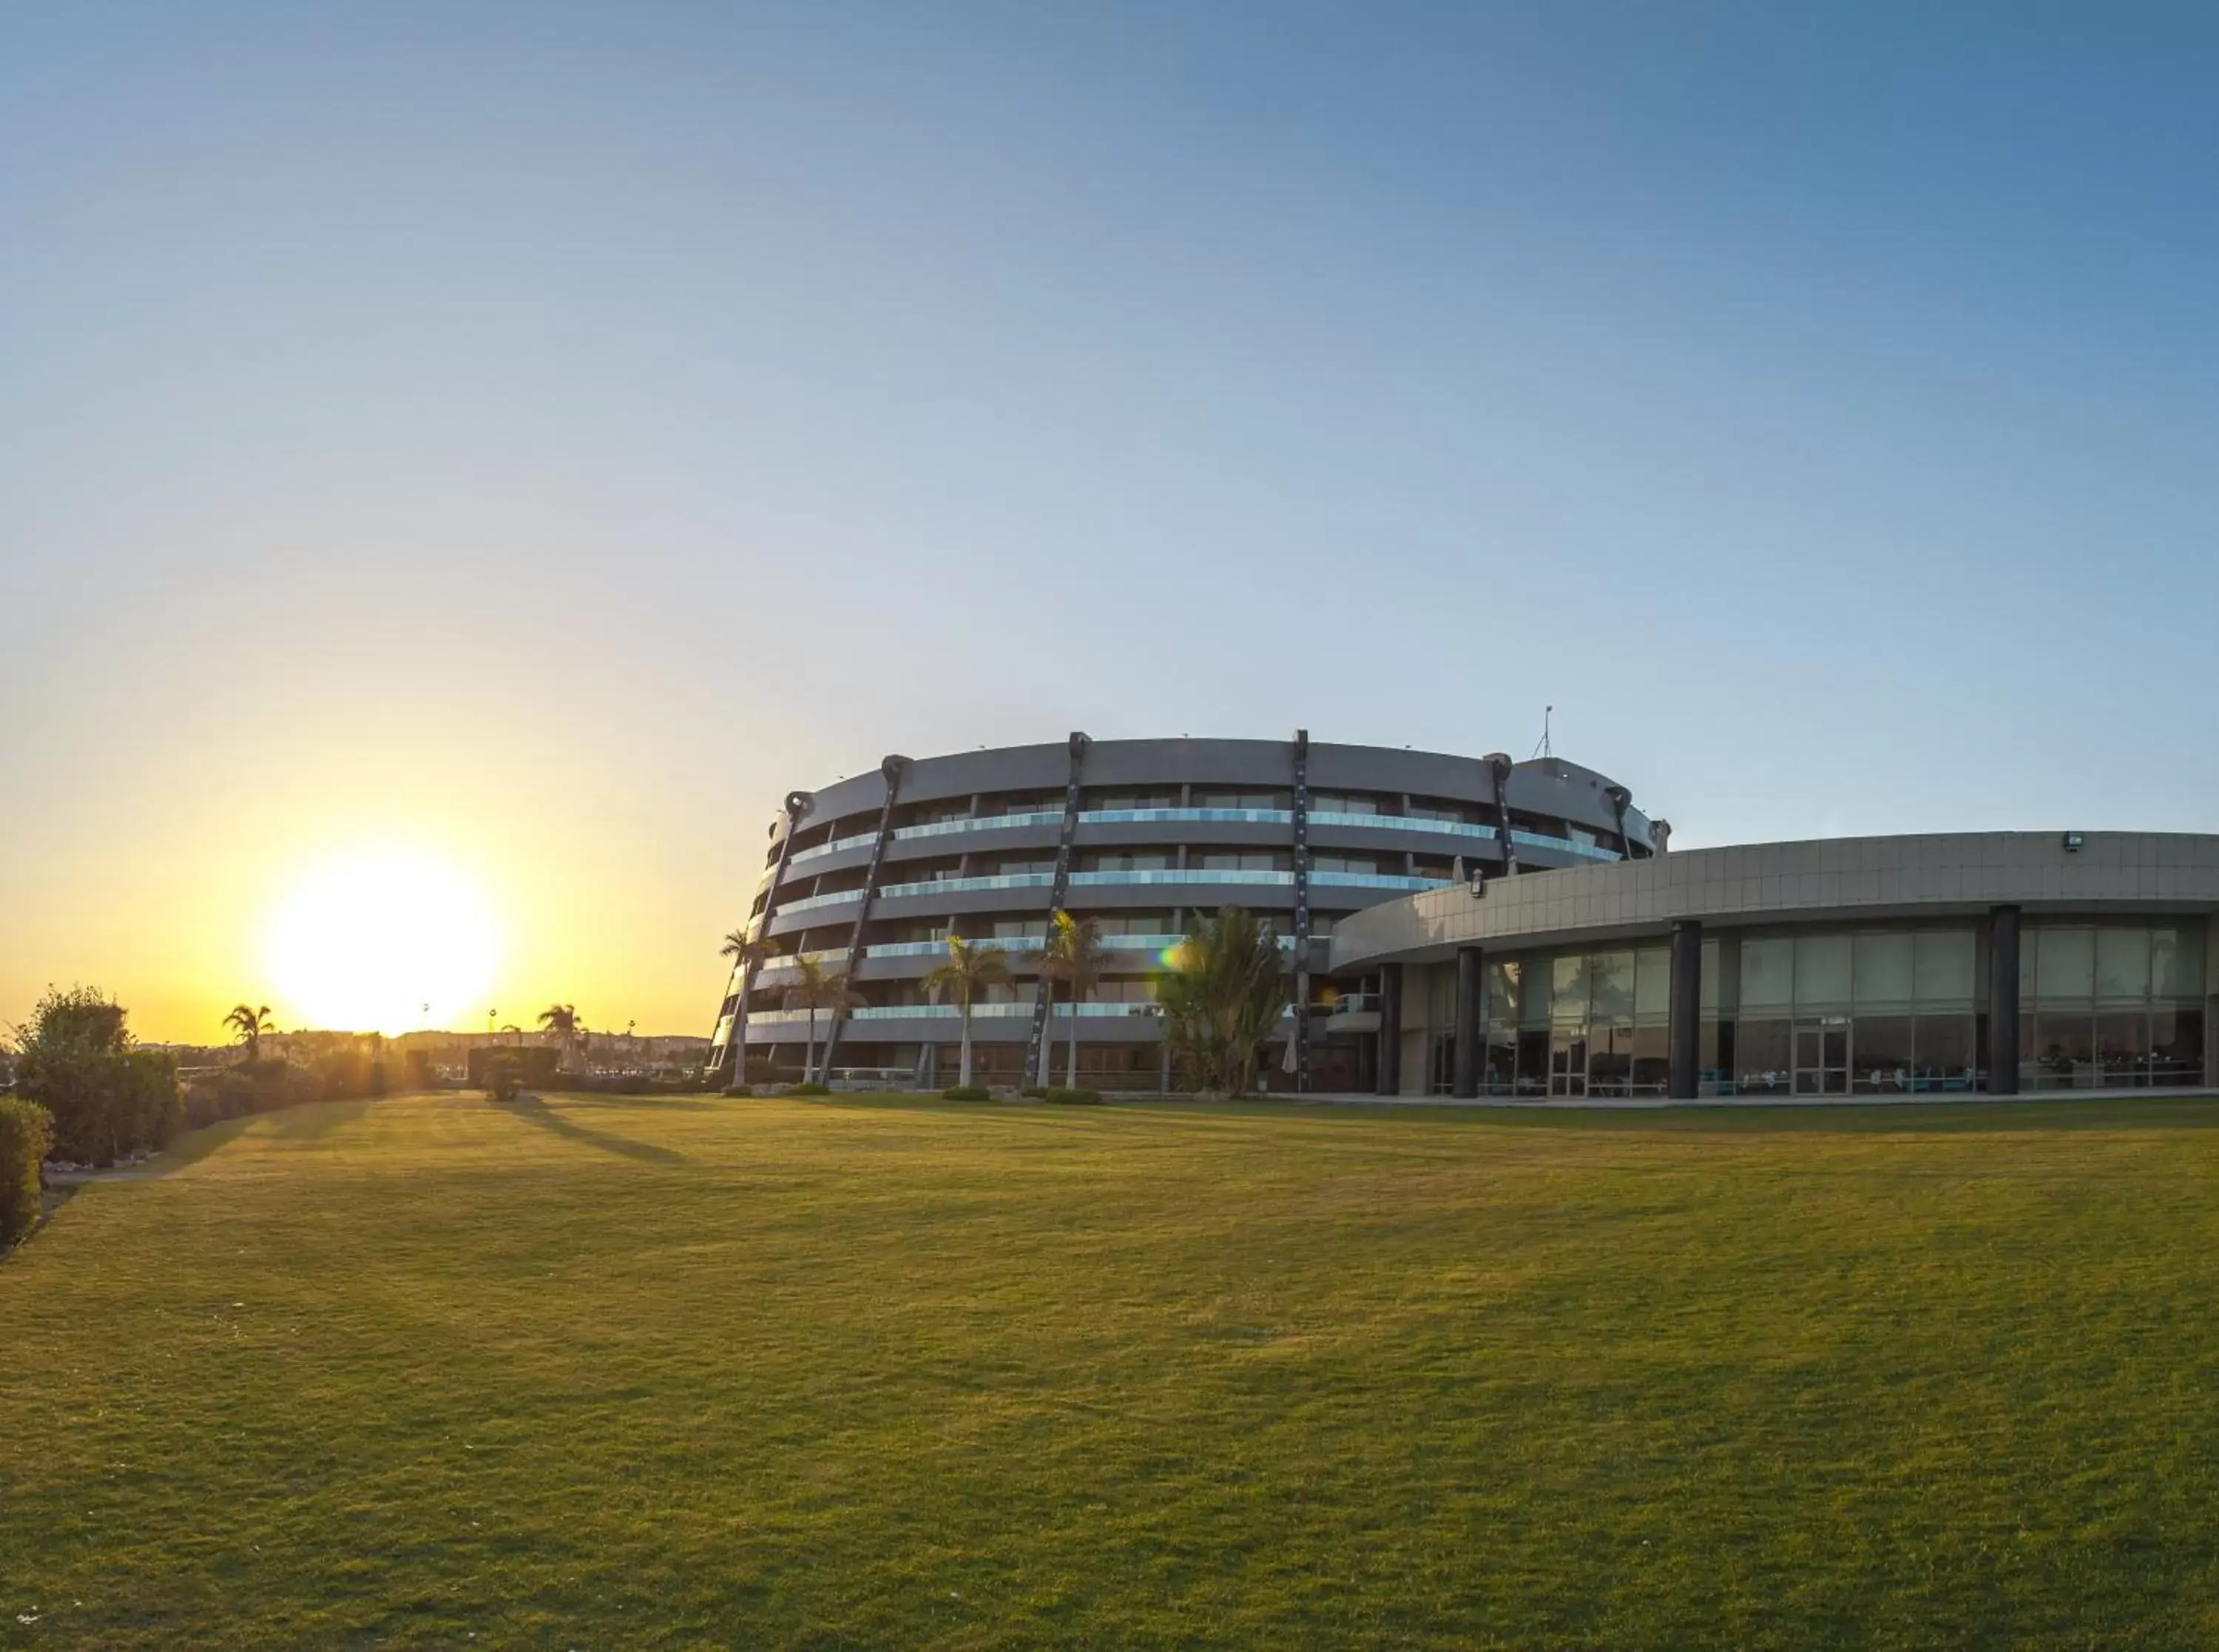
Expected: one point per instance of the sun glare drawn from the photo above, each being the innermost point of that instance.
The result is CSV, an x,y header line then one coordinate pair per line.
x,y
383,942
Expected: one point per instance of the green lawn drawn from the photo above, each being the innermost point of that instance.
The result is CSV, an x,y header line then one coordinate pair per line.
x,y
599,1373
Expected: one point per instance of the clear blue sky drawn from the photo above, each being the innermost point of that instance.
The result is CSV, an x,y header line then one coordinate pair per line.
x,y
600,419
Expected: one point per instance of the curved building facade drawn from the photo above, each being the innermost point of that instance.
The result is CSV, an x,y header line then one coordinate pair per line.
x,y
1993,962
871,874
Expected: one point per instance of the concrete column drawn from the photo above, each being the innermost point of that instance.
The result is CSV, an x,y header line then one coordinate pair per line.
x,y
1471,990
1687,1010
2003,1001
1390,1031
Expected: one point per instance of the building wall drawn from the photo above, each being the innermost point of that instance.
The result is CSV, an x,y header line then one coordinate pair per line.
x,y
809,894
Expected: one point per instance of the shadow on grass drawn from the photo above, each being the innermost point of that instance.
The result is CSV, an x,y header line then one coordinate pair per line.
x,y
532,1111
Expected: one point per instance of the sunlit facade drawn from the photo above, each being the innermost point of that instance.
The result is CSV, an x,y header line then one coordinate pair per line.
x,y
1991,963
870,875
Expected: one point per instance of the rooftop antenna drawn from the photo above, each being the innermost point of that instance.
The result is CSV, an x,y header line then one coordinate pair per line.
x,y
1543,749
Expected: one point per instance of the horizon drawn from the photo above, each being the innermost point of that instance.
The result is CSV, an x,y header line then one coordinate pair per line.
x,y
463,469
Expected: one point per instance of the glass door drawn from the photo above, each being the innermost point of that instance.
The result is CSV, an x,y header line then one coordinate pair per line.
x,y
1568,1063
1821,1058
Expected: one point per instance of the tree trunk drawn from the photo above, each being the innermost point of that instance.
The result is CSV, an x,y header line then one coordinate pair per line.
x,y
809,1047
1071,1073
963,1061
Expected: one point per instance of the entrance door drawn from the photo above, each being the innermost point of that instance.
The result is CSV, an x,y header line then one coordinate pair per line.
x,y
1821,1058
1568,1064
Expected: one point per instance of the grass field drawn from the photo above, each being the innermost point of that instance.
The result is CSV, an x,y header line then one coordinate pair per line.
x,y
596,1373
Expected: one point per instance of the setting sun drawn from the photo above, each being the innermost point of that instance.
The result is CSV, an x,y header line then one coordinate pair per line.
x,y
382,942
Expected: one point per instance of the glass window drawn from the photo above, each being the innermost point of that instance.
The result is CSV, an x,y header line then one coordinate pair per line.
x,y
1881,1058
1342,803
1568,988
1767,973
1611,976
1502,991
1437,808
1533,1000
2064,1047
2177,963
1943,974
1533,1056
1243,800
1884,972
1761,1052
2177,1046
2065,967
1143,861
2121,1047
1652,1060
1709,995
1610,1061
1346,863
1821,971
1230,860
1942,1052
1652,984
2122,965
1500,1072
1723,983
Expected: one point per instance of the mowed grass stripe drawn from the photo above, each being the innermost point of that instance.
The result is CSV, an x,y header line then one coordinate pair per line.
x,y
596,1372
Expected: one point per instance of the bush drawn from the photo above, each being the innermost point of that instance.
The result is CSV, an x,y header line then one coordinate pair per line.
x,y
1036,1092
105,1097
811,1088
967,1093
1073,1097
26,1133
739,1090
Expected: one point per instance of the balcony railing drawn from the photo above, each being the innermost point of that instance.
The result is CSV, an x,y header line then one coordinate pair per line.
x,y
1186,876
1423,825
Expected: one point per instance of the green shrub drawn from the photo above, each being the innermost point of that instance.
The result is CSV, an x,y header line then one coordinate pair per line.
x,y
1036,1092
967,1093
26,1133
1073,1097
739,1090
811,1089
106,1096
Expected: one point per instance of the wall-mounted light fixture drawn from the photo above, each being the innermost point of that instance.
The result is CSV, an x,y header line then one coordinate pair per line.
x,y
2073,842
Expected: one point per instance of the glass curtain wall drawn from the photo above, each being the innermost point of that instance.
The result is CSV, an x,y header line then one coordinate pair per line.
x,y
2110,1006
1820,1013
1578,1024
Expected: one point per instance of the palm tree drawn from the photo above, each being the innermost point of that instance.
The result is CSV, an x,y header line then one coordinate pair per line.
x,y
561,1020
249,1024
969,968
817,988
748,956
1221,994
1073,954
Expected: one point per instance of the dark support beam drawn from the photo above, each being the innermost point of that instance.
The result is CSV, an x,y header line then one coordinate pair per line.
x,y
1390,1063
1059,892
2003,1001
892,768
1687,1011
1470,1014
797,805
